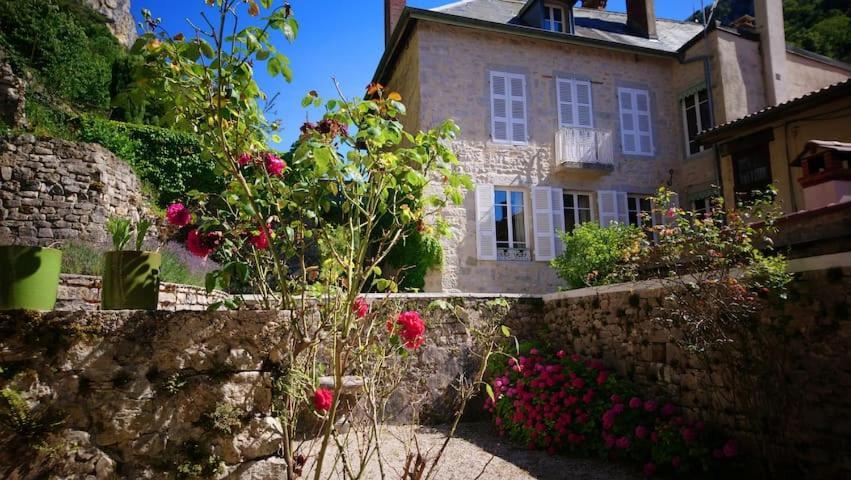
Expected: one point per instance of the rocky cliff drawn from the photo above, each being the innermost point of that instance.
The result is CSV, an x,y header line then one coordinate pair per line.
x,y
120,18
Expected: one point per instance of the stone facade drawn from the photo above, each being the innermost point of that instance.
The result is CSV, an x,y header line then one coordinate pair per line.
x,y
12,101
82,292
119,19
55,190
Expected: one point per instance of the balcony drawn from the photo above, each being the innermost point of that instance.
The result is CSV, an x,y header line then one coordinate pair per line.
x,y
584,149
513,254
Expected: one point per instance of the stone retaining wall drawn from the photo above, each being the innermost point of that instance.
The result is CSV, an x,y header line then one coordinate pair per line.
x,y
137,388
616,323
82,292
53,190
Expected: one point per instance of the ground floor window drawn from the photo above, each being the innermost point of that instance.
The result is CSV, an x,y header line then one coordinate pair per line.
x,y
640,211
577,210
751,170
509,217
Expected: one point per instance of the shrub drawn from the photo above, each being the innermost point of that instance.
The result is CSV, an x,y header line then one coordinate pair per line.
x,y
415,256
169,161
596,255
563,403
66,43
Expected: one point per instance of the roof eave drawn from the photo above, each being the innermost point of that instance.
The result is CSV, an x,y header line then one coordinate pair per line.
x,y
410,15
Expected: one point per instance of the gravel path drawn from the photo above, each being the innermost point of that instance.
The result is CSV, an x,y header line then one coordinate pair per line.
x,y
477,453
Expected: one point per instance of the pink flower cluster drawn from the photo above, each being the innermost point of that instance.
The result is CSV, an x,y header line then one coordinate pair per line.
x,y
323,399
360,307
567,403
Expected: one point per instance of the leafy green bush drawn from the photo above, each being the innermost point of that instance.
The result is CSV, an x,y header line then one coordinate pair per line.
x,y
596,255
66,43
415,256
169,161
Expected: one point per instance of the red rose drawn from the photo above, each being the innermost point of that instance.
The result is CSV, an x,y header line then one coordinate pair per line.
x,y
322,399
202,244
274,165
259,240
411,329
244,159
360,307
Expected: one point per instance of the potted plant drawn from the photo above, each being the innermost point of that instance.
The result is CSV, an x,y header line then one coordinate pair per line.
x,y
131,278
29,277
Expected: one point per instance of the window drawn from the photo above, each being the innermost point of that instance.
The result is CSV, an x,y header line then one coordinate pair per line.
x,y
577,210
636,131
553,18
510,222
574,103
701,205
751,169
640,211
696,116
508,107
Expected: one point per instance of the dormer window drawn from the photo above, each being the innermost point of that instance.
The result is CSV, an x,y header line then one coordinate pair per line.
x,y
554,18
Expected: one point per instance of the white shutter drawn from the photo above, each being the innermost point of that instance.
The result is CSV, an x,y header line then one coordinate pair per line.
x,y
499,106
517,90
564,92
584,110
558,218
629,139
485,224
542,217
607,203
636,129
574,103
623,208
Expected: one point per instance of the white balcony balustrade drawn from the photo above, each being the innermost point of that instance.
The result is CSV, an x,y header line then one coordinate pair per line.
x,y
584,148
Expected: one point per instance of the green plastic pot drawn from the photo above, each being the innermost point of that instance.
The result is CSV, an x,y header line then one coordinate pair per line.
x,y
29,277
131,280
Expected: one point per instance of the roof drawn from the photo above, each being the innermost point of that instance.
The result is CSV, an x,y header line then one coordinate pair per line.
x,y
810,149
590,23
770,113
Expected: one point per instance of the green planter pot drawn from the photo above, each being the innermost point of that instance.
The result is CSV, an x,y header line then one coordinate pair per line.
x,y
29,277
131,281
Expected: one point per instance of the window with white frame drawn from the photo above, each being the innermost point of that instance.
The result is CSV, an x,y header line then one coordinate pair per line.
x,y
574,103
508,107
636,122
510,223
701,205
696,118
640,211
578,209
554,18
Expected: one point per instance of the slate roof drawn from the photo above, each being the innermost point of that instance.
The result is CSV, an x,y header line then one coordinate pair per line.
x,y
593,24
831,92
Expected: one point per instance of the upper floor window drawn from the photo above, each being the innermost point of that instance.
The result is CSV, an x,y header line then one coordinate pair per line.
x,y
554,18
697,118
636,129
508,107
574,103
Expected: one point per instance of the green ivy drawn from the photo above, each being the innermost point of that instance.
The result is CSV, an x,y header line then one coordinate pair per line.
x,y
415,256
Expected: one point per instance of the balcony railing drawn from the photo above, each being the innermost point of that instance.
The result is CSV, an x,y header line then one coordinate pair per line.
x,y
584,148
513,254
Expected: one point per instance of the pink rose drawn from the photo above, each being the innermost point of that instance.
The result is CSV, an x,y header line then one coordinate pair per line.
x,y
322,399
259,240
650,406
202,244
274,165
634,403
411,329
668,409
602,377
243,159
641,432
689,435
622,443
177,214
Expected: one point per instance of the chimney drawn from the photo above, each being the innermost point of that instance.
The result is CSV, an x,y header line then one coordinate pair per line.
x,y
772,41
641,18
392,11
594,4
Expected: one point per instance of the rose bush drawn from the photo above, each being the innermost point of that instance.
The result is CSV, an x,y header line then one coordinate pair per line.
x,y
566,403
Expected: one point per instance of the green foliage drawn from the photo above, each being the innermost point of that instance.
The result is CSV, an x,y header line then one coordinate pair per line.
x,y
170,161
30,424
66,44
120,230
414,257
225,419
196,460
46,120
596,255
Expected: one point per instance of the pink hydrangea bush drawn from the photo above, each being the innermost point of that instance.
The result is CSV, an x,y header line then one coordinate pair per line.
x,y
568,404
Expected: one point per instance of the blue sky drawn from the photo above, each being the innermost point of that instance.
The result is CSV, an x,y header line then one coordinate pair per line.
x,y
337,38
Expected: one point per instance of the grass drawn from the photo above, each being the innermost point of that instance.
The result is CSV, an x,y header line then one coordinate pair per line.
x,y
177,265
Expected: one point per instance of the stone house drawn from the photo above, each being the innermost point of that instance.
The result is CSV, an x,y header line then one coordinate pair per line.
x,y
574,113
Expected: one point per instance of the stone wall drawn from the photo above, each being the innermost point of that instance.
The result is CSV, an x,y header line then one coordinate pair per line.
x,y
82,292
11,95
53,190
615,323
136,388
119,19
